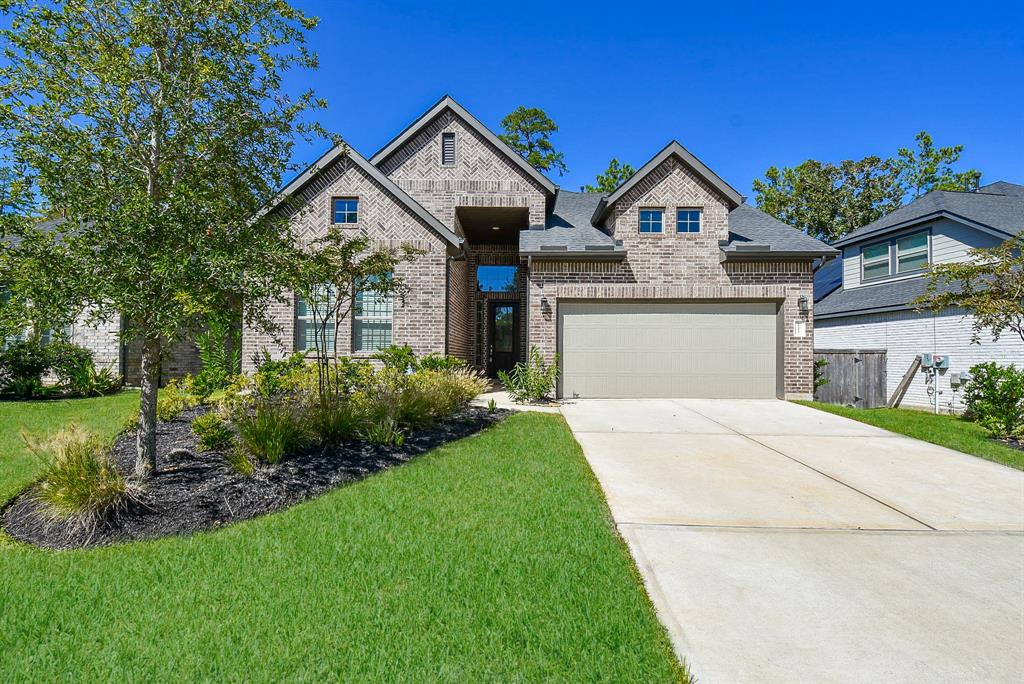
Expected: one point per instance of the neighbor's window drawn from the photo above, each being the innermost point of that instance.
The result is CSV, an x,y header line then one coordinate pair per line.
x,y
496,278
688,221
875,261
912,253
448,149
312,327
371,319
344,210
650,220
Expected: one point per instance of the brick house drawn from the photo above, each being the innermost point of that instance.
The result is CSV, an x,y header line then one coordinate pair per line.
x,y
669,286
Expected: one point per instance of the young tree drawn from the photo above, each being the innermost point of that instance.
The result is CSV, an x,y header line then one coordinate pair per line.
x,y
614,176
829,200
990,286
928,168
334,268
528,131
159,128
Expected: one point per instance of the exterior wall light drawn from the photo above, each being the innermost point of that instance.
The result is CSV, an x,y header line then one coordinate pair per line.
x,y
802,304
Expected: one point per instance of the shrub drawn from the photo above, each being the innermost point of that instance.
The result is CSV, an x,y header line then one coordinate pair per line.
x,y
434,395
77,373
440,362
80,482
213,432
220,350
22,365
384,431
273,377
818,370
399,358
333,422
239,461
178,396
273,430
530,381
994,397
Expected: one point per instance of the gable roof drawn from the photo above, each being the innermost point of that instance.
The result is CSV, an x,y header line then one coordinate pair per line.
x,y
996,208
342,150
754,233
684,155
448,103
568,231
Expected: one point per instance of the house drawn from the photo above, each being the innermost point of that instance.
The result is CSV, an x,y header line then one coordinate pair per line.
x,y
669,286
864,302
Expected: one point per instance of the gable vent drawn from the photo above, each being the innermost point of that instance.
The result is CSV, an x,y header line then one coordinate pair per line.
x,y
448,149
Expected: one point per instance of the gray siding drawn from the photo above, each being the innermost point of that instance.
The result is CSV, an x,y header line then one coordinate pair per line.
x,y
907,333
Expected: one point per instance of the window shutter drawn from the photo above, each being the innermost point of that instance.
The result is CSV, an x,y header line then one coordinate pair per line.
x,y
448,149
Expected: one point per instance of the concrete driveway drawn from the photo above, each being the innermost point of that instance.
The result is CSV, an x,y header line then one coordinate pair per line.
x,y
783,544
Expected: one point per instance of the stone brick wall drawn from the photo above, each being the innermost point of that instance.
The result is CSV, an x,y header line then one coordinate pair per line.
x,y
460,340
102,339
181,359
419,320
493,255
482,176
679,266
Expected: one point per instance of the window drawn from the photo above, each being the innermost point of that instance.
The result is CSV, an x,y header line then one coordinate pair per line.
x,y
371,320
496,278
344,210
875,261
912,253
448,149
312,326
650,220
688,220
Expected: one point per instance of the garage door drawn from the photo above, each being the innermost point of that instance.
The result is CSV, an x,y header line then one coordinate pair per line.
x,y
665,349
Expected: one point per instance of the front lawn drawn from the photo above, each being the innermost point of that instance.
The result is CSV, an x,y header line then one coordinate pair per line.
x,y
942,429
489,559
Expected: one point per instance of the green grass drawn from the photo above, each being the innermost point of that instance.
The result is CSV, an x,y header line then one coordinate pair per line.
x,y
944,430
490,559
103,415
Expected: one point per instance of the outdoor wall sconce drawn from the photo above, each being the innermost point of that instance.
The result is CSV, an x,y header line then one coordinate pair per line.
x,y
801,304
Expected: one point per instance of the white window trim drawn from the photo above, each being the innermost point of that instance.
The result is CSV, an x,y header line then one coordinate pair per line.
x,y
925,249
358,318
700,220
640,222
865,261
311,320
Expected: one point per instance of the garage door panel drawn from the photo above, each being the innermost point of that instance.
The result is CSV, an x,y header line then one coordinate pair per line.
x,y
665,349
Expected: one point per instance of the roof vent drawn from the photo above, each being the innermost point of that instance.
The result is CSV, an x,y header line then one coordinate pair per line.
x,y
751,247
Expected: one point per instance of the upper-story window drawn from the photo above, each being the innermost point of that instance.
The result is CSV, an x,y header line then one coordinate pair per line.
x,y
651,220
448,149
688,220
344,210
912,253
895,256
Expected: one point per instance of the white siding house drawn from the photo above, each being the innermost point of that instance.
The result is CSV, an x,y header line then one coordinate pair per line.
x,y
883,272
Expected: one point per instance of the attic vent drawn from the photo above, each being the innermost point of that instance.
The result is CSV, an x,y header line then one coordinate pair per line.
x,y
448,149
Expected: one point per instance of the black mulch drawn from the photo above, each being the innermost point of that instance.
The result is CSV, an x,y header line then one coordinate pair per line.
x,y
193,491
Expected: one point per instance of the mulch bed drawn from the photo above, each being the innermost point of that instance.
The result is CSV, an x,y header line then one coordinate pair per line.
x,y
193,491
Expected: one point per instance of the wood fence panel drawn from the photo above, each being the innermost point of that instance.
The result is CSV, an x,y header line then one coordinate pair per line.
x,y
856,377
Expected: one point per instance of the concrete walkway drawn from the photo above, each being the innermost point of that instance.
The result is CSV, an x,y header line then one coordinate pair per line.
x,y
784,544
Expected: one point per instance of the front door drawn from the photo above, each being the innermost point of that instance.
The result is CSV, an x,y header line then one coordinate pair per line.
x,y
503,336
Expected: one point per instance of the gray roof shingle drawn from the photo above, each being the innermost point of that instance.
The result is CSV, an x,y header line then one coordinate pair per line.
x,y
872,298
749,227
998,206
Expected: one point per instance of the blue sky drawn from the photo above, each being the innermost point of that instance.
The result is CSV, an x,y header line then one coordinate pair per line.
x,y
742,86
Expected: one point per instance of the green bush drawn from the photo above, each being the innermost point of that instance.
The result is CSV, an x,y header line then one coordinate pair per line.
x,y
383,431
275,377
333,421
213,432
178,396
220,350
399,358
994,397
80,482
273,430
429,396
440,362
531,381
22,365
77,373
239,461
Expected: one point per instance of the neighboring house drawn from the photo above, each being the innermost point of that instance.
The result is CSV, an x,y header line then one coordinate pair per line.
x,y
670,286
884,267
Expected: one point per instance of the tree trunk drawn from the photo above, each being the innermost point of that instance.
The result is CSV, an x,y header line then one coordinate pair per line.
x,y
145,454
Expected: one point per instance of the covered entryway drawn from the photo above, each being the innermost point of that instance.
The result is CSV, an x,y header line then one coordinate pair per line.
x,y
723,350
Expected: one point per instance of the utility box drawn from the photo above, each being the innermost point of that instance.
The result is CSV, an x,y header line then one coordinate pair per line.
x,y
941,361
926,360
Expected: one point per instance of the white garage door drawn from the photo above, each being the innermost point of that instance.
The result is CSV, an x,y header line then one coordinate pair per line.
x,y
666,349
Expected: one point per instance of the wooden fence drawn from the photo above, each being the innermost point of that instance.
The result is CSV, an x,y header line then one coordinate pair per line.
x,y
856,377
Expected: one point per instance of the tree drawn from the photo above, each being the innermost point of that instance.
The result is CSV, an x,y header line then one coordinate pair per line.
x,y
989,285
930,169
829,200
159,128
614,176
528,131
334,268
